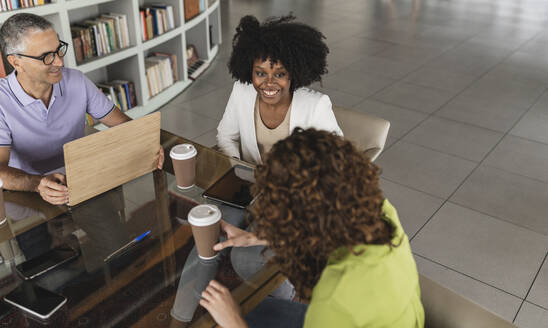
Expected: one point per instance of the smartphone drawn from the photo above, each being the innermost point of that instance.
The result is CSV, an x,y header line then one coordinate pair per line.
x,y
35,300
233,188
47,261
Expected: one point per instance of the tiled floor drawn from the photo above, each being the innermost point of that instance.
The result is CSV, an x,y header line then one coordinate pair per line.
x,y
464,83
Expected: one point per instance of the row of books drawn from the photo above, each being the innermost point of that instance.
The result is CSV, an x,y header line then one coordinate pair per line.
x,y
161,72
120,92
156,20
6,5
100,36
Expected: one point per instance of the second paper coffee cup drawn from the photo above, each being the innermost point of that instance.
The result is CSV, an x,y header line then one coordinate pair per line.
x,y
183,157
205,222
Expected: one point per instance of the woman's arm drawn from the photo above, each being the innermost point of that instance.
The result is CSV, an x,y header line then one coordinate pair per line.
x,y
218,301
324,118
228,130
237,237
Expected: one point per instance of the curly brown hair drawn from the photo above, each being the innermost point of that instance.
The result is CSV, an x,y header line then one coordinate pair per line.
x,y
316,193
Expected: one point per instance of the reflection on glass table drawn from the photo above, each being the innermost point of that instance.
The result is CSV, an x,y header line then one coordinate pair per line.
x,y
135,287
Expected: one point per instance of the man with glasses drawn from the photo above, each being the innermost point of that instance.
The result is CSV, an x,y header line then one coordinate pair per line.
x,y
42,107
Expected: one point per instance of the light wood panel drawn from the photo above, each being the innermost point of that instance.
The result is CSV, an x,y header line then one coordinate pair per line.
x,y
107,159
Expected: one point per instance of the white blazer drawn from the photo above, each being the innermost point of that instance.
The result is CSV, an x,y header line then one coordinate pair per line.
x,y
309,109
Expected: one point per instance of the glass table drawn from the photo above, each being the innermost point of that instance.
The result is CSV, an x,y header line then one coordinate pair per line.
x,y
136,288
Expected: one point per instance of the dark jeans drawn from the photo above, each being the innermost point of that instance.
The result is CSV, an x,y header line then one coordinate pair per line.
x,y
275,313
197,273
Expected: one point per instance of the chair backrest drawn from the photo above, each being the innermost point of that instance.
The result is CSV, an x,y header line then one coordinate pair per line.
x,y
366,131
444,308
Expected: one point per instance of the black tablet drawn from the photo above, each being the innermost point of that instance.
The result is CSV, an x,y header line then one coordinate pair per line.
x,y
35,300
233,188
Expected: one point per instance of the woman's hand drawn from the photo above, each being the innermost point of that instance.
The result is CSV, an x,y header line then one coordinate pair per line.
x,y
237,237
223,308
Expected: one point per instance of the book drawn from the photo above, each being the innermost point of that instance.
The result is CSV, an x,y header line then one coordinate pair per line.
x,y
143,25
122,99
90,36
192,9
148,17
15,4
78,50
154,22
151,78
132,96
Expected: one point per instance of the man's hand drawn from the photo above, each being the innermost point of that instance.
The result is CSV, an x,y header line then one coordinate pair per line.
x,y
221,305
160,156
53,189
237,237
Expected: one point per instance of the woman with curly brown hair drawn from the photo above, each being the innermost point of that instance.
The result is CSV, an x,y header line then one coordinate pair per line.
x,y
338,240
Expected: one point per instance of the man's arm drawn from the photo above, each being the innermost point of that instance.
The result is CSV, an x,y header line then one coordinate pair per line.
x,y
114,118
51,187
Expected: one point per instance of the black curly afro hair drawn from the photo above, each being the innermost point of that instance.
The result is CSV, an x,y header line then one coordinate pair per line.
x,y
300,48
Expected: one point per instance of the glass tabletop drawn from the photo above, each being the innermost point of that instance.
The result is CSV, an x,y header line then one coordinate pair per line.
x,y
132,288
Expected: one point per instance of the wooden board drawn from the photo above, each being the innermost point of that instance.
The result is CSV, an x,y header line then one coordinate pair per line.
x,y
107,159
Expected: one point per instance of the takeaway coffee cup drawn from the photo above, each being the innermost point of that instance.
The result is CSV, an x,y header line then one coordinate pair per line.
x,y
205,222
184,164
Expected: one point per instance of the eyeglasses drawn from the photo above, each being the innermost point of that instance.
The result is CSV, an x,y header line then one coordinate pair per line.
x,y
48,57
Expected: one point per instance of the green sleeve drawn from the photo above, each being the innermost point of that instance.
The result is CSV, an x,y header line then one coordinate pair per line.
x,y
327,315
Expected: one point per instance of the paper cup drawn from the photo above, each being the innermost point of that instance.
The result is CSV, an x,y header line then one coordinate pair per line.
x,y
183,157
205,222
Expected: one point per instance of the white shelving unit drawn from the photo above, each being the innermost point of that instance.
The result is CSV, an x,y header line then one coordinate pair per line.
x,y
203,31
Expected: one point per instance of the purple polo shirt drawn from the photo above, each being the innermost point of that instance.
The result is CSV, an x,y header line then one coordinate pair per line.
x,y
36,134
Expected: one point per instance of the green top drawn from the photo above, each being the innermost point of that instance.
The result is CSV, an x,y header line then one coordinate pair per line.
x,y
379,288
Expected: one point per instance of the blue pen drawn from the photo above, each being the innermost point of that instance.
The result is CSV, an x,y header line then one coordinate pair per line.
x,y
129,244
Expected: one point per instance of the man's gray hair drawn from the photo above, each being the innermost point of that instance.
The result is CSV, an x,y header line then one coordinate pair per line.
x,y
15,28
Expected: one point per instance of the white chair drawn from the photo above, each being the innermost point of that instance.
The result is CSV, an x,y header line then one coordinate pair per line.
x,y
366,131
444,308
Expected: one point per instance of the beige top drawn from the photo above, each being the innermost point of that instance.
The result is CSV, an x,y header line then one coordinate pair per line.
x,y
266,137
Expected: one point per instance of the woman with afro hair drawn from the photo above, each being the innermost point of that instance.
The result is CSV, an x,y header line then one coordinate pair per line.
x,y
334,236
272,63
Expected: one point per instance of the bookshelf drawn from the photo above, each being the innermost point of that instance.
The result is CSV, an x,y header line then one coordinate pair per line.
x,y
203,31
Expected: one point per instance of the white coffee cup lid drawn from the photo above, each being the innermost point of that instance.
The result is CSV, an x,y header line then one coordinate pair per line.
x,y
183,151
204,215
1,183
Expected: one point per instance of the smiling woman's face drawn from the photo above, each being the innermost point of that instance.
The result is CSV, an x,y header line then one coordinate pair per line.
x,y
272,82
